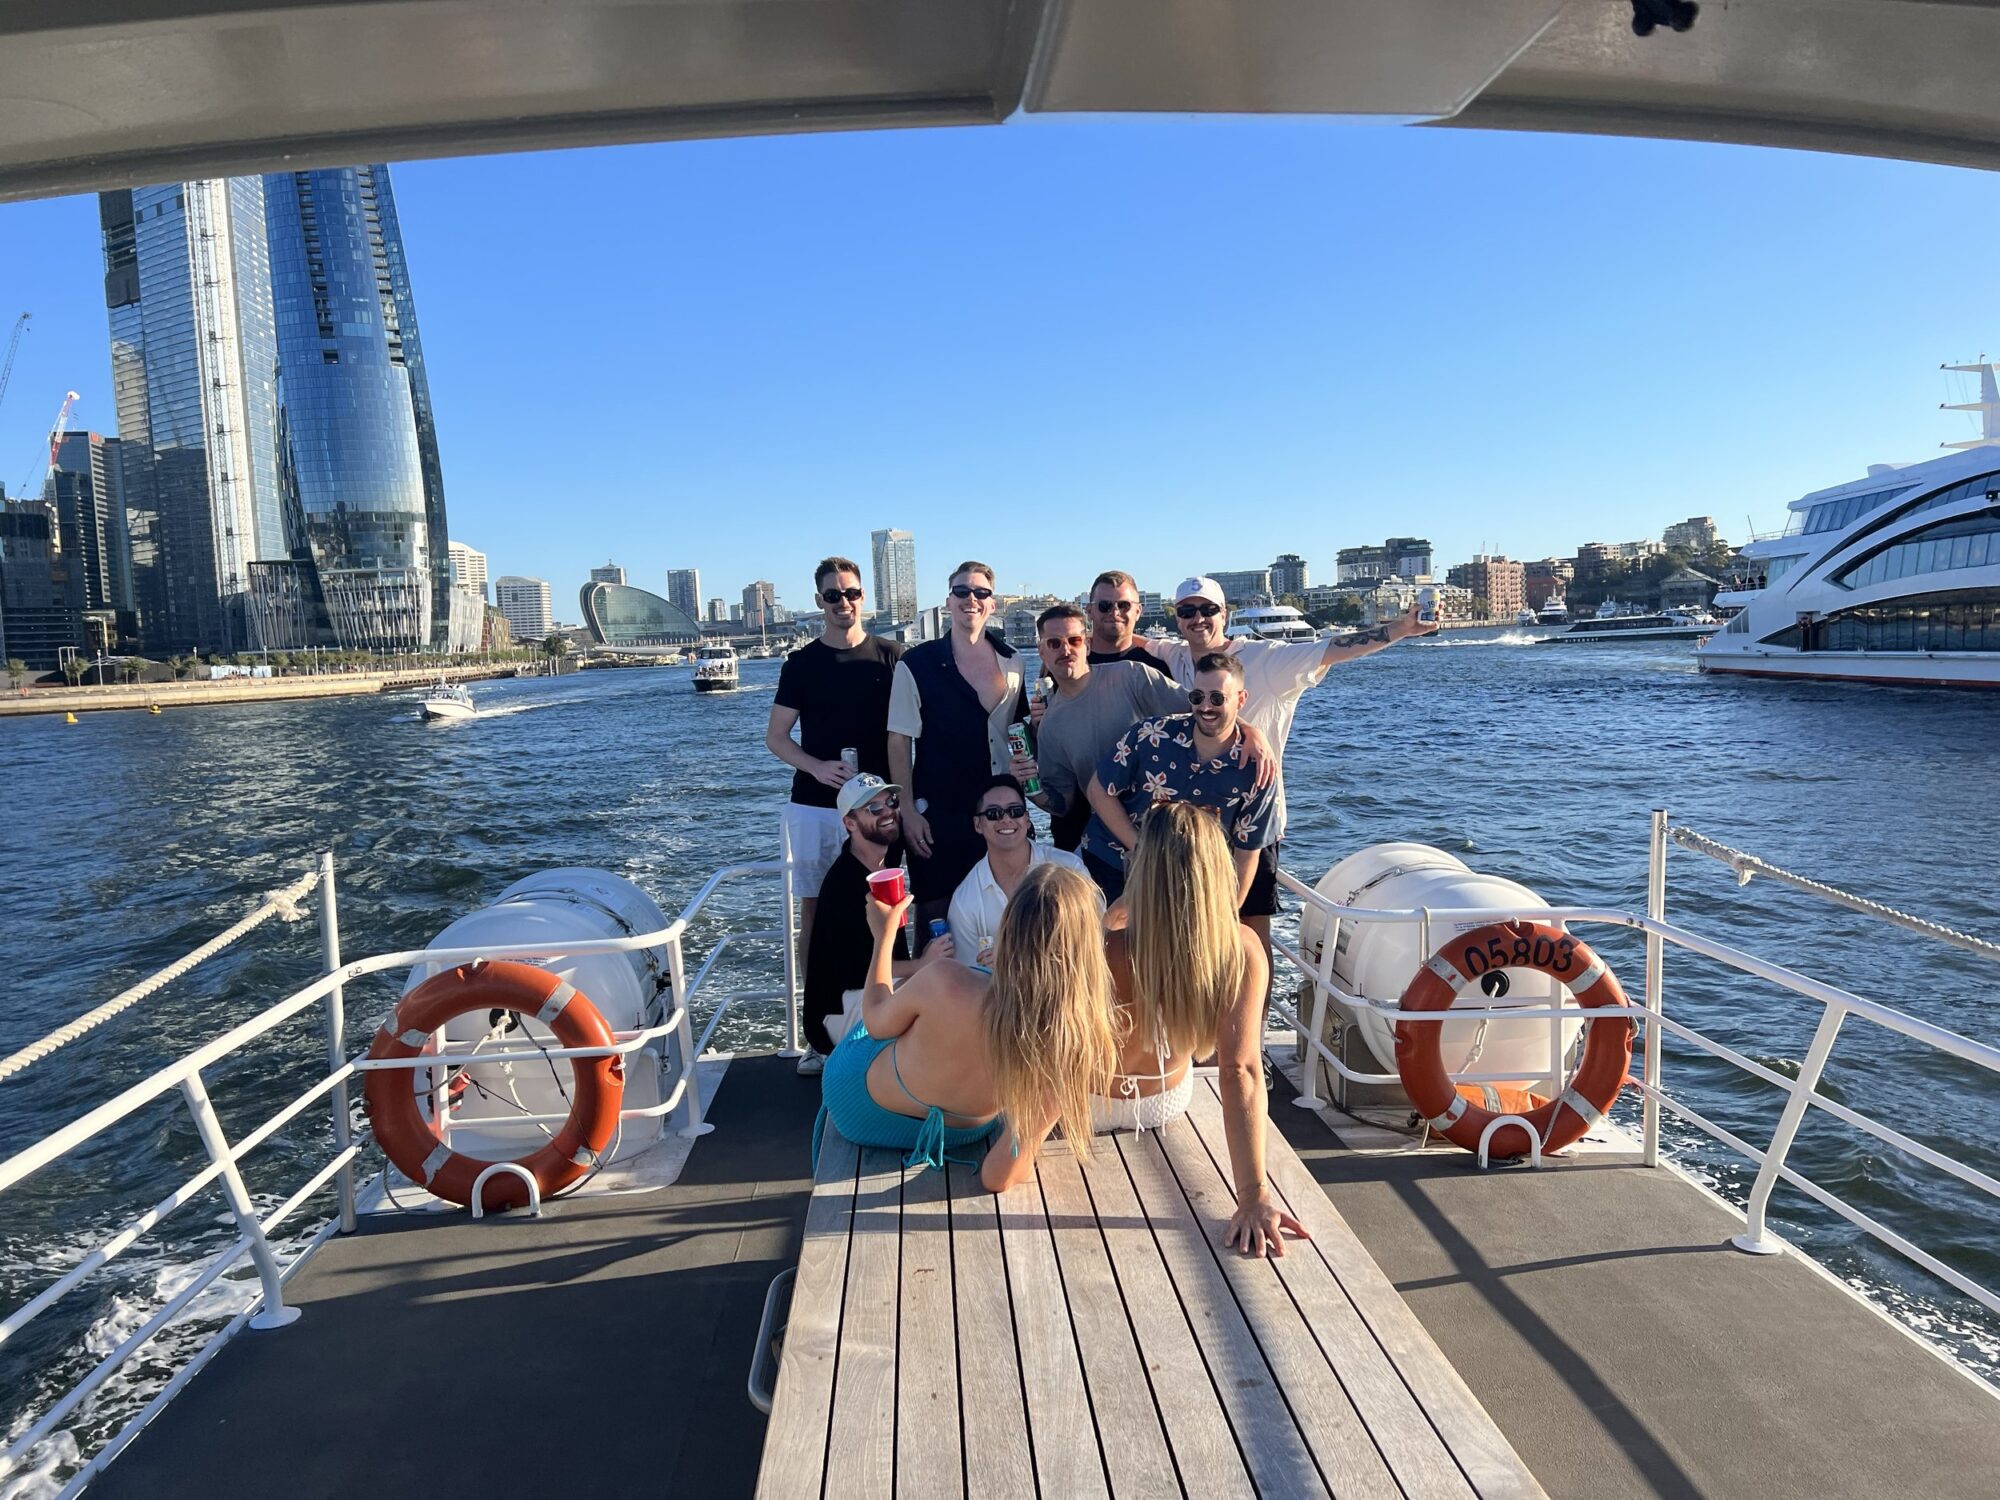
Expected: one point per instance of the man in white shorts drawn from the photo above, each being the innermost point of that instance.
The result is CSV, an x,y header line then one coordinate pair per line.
x,y
835,690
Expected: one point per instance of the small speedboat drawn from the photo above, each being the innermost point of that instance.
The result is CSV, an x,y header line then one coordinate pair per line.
x,y
447,700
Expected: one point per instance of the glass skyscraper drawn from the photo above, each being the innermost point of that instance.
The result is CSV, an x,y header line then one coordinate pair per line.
x,y
363,485
895,575
194,373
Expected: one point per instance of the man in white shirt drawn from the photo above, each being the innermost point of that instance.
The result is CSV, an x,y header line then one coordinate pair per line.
x,y
1011,851
1275,673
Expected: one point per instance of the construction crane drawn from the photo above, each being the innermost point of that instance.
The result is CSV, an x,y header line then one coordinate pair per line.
x,y
14,343
30,488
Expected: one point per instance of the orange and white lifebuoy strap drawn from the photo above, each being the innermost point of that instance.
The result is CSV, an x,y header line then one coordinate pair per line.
x,y
415,1145
1451,1108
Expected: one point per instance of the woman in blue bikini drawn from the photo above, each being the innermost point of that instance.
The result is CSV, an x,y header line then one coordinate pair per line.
x,y
938,1062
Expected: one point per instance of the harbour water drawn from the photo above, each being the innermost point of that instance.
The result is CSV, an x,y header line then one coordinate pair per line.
x,y
129,839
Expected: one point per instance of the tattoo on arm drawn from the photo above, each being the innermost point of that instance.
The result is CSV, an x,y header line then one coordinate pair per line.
x,y
1379,636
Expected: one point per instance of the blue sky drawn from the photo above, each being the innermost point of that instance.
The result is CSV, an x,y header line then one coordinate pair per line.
x,y
1159,345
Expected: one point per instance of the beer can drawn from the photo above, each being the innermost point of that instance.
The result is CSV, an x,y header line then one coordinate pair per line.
x,y
851,758
1427,604
939,927
1017,741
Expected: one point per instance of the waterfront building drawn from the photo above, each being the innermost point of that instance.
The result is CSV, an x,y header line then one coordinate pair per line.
x,y
684,591
87,486
39,614
1497,580
1544,579
1244,586
194,373
616,614
1695,534
1289,578
1687,588
1397,557
468,568
496,634
368,567
758,598
895,574
609,573
525,603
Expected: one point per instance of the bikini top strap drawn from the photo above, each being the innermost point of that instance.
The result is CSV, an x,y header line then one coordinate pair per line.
x,y
896,1068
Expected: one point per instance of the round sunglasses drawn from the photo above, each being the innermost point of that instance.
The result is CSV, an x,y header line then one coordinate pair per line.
x,y
882,807
1008,814
970,591
1212,698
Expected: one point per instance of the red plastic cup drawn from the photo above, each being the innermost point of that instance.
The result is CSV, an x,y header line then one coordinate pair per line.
x,y
887,885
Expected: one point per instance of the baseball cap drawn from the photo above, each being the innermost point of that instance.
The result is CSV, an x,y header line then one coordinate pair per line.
x,y
857,790
1199,587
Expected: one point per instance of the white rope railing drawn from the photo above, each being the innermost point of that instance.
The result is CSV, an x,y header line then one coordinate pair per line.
x,y
283,904
1747,865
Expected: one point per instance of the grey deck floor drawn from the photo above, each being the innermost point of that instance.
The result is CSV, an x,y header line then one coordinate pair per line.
x,y
1597,1311
423,1368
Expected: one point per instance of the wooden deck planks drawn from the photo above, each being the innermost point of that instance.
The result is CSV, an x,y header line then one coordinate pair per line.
x,y
929,1461
795,1449
1089,1334
1136,1454
1482,1452
861,1458
1060,1422
999,1464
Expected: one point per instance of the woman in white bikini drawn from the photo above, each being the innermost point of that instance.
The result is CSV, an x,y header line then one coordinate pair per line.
x,y
1190,976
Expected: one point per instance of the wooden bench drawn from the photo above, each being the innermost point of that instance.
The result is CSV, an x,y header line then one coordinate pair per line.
x,y
1088,1334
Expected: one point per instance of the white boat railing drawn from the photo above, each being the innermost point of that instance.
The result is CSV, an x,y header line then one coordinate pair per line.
x,y
1802,1093
672,1033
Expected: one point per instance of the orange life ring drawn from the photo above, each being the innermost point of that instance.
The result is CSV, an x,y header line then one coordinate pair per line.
x,y
1457,1111
414,1144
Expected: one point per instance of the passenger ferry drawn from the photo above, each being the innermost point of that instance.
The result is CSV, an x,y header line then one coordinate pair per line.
x,y
1614,623
1891,578
715,669
701,1313
1269,622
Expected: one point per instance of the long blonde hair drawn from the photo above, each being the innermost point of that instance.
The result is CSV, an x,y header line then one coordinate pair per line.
x,y
1181,930
1051,1017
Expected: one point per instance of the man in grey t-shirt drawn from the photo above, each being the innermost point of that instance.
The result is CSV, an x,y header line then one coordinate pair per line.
x,y
1091,708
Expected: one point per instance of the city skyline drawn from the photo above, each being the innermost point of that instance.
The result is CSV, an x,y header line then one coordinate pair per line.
x,y
1091,408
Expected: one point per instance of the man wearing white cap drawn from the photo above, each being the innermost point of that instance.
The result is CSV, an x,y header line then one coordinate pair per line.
x,y
1274,674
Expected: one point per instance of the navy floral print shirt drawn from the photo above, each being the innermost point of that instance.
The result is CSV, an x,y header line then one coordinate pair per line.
x,y
1155,761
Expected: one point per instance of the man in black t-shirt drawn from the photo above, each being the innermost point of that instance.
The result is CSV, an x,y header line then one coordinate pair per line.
x,y
836,690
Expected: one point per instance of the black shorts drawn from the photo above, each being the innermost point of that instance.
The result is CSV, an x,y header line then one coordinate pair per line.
x,y
1263,898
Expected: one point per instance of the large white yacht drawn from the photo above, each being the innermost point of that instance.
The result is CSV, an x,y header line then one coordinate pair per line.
x,y
1270,622
1892,578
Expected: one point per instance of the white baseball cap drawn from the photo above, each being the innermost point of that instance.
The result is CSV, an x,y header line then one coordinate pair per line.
x,y
859,790
1199,587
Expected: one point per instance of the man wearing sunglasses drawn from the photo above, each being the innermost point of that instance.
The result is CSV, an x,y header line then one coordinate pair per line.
x,y
842,944
1114,612
836,691
1187,757
1011,851
1274,674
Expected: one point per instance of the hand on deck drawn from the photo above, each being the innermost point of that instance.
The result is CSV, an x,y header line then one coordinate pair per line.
x,y
917,832
1255,1227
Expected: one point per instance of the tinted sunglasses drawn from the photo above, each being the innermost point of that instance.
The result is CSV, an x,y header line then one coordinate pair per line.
x,y
1115,606
1212,698
1189,611
834,596
969,591
881,807
1009,813
1064,642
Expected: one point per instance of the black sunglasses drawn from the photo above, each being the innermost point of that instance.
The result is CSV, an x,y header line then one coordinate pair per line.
x,y
1214,699
1008,813
834,596
969,591
1189,611
1115,606
880,808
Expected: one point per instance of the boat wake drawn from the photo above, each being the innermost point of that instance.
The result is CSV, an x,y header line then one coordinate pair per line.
x,y
1505,638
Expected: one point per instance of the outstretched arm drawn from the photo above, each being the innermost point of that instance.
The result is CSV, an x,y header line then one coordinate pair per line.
x,y
1258,1223
1356,644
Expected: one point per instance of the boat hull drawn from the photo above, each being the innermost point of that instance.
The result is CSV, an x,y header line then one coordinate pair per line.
x,y
1587,637
715,684
1883,670
446,709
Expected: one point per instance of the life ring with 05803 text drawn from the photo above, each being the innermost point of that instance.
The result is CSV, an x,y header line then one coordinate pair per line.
x,y
1455,1111
413,1143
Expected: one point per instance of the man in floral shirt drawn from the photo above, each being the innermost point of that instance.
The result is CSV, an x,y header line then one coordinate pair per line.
x,y
1186,758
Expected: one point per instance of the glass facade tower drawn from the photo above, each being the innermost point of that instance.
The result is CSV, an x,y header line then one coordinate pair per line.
x,y
895,575
368,563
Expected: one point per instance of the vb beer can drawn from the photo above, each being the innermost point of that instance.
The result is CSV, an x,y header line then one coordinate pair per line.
x,y
1017,741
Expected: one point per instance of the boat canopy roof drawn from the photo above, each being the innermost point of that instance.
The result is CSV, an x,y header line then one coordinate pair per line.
x,y
109,93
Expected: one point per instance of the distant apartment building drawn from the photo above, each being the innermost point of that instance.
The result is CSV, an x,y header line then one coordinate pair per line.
x,y
1497,580
525,603
758,598
1397,557
1244,586
895,556
1695,534
609,573
1544,579
684,591
468,569
1288,576
39,614
87,486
